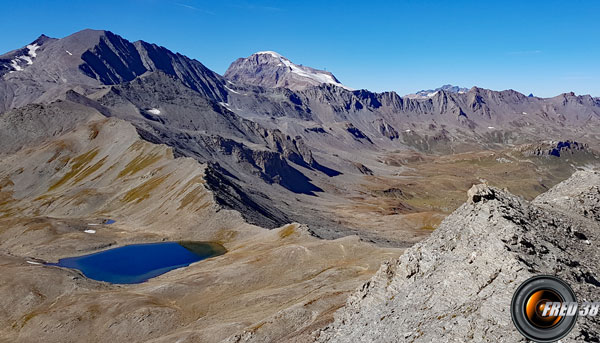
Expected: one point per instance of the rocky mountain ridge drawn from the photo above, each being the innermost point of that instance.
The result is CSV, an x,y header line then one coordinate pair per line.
x,y
424,94
448,120
457,284
88,59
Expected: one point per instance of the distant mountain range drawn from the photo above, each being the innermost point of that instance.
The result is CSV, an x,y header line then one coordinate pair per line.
x,y
424,94
269,126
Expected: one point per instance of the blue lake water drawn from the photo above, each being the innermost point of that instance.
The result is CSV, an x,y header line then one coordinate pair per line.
x,y
140,262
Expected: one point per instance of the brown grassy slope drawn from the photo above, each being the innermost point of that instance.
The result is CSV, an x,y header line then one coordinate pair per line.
x,y
279,285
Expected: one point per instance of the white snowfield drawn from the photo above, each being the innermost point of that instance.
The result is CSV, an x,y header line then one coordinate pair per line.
x,y
304,71
154,111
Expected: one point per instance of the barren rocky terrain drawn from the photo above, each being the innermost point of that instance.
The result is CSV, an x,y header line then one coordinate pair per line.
x,y
457,285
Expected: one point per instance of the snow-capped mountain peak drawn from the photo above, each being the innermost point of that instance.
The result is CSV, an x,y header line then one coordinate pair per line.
x,y
424,94
271,69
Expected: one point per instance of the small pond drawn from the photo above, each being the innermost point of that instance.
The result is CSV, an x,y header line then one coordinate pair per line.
x,y
139,262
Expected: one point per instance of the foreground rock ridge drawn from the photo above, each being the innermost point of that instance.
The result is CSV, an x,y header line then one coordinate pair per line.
x,y
457,285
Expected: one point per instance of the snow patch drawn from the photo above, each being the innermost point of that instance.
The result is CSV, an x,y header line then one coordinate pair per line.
x,y
93,224
33,262
31,54
432,94
90,231
32,48
154,111
231,90
15,65
490,127
524,112
68,52
407,130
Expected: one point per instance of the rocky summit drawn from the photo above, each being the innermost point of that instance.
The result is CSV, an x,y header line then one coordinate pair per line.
x,y
457,285
270,69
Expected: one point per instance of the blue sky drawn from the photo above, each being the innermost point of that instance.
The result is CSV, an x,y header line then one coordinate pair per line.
x,y
545,47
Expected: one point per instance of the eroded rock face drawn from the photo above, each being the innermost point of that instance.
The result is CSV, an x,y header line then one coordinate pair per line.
x,y
457,285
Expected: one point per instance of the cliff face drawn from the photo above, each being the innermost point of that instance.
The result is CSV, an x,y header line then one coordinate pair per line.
x,y
457,285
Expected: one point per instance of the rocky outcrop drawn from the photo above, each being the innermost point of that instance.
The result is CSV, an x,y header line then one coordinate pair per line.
x,y
271,166
229,194
457,285
363,169
357,133
386,129
555,148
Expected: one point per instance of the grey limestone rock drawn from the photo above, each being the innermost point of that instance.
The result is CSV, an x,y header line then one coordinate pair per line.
x,y
457,285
